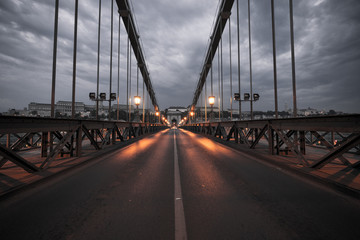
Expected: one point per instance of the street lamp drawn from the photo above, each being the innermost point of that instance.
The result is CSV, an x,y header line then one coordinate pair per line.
x,y
191,115
255,98
157,114
137,100
211,100
102,98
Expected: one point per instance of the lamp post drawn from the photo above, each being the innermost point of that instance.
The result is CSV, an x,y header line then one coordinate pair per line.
x,y
137,100
191,115
211,102
102,98
157,114
247,98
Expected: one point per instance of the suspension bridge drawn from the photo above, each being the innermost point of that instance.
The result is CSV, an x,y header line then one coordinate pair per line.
x,y
206,176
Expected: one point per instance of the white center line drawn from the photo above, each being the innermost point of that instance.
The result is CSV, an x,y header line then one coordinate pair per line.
x,y
180,227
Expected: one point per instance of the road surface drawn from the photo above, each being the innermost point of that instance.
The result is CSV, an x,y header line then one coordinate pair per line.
x,y
177,185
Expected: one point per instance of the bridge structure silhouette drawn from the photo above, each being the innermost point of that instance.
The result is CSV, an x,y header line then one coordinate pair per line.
x,y
36,148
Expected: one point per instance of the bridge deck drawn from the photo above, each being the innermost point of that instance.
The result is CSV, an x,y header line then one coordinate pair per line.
x,y
226,194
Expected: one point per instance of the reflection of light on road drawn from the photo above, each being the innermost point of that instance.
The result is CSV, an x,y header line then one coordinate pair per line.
x,y
139,146
210,145
201,165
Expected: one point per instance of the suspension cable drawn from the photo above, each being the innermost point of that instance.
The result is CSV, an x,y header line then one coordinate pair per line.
x,y
238,42
118,83
231,98
219,82
130,102
98,65
250,64
293,58
127,75
274,59
143,104
221,72
111,55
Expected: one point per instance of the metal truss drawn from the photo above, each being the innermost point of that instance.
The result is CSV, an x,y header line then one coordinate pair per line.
x,y
57,137
293,135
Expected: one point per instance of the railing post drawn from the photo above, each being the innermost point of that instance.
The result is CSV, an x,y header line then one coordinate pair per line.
x,y
79,142
8,140
302,142
44,143
72,146
113,135
236,134
271,139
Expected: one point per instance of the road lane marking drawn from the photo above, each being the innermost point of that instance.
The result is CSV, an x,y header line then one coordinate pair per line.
x,y
180,227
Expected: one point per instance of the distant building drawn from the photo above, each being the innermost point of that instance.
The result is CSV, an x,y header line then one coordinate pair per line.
x,y
39,109
123,107
64,107
174,114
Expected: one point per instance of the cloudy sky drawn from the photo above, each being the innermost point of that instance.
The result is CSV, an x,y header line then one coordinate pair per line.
x,y
174,37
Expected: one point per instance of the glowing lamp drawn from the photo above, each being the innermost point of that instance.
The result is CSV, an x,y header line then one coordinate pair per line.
x,y
191,113
157,114
211,100
137,100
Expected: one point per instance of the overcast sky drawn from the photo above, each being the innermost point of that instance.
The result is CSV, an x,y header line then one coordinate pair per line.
x,y
174,37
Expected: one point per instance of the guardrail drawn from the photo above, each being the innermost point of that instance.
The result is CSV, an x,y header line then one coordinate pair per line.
x,y
337,134
61,136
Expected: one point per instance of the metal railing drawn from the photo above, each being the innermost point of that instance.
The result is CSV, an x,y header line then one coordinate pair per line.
x,y
57,137
337,134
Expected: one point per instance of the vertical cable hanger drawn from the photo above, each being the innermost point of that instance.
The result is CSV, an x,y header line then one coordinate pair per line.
x,y
130,102
74,59
98,65
118,83
293,58
205,103
219,85
221,72
238,43
111,54
231,97
250,65
127,74
53,83
143,104
274,58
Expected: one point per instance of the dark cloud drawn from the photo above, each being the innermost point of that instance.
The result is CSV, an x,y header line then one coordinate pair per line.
x,y
175,35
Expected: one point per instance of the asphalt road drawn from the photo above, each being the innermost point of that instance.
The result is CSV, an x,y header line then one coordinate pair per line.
x,y
224,194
